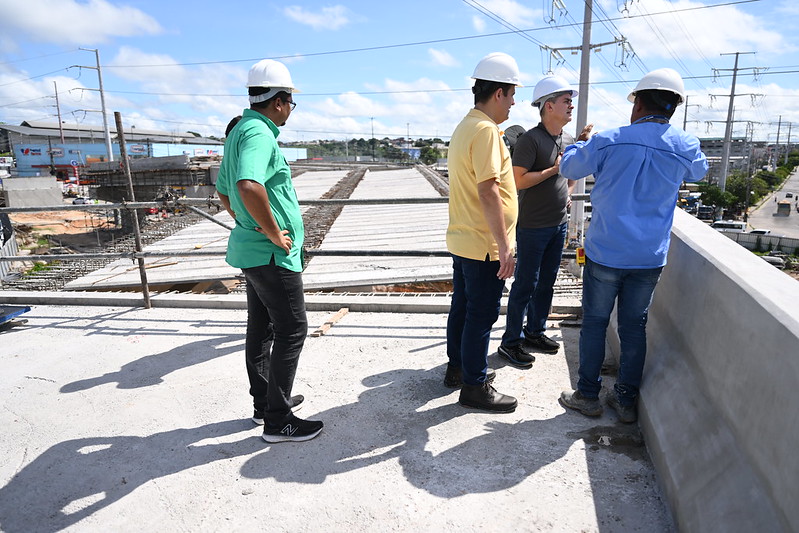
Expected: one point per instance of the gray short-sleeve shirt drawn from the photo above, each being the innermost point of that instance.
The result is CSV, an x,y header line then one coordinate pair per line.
x,y
542,205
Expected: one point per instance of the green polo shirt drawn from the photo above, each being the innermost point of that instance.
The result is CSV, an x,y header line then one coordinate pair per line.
x,y
252,153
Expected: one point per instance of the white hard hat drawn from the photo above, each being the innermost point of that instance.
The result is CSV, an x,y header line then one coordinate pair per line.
x,y
662,79
270,74
497,67
550,85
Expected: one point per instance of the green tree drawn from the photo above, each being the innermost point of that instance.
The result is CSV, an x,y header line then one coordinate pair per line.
x,y
769,177
429,155
713,195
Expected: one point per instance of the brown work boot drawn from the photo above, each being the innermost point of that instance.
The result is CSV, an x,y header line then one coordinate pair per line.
x,y
574,399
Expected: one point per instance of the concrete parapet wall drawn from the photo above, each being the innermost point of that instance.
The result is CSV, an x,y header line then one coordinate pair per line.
x,y
719,407
31,192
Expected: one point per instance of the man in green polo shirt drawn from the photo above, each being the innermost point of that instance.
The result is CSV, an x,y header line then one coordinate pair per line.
x,y
254,184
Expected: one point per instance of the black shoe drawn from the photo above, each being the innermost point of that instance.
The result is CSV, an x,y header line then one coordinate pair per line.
x,y
542,343
292,429
516,356
487,398
626,413
454,377
258,414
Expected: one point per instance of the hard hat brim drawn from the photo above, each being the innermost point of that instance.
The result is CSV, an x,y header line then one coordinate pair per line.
x,y
537,103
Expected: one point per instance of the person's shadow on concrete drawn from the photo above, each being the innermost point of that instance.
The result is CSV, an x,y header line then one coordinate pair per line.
x,y
390,421
151,369
76,478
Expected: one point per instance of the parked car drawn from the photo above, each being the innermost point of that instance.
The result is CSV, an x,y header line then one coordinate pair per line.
x,y
704,212
789,195
80,201
760,232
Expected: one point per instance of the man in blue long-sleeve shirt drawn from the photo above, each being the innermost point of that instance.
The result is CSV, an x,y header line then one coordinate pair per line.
x,y
638,170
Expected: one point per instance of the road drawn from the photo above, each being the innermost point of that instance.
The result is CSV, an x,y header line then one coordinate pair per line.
x,y
762,217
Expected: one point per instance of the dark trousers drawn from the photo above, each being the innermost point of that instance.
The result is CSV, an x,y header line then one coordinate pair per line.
x,y
476,294
276,330
632,291
538,253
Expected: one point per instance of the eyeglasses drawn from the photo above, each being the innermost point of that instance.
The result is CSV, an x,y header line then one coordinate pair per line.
x,y
292,103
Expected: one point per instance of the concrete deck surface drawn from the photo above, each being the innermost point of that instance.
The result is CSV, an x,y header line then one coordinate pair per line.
x,y
125,419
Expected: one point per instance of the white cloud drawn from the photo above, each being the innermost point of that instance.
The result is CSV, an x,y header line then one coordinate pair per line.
x,y
415,92
202,88
697,34
788,8
70,22
329,18
510,11
442,58
350,104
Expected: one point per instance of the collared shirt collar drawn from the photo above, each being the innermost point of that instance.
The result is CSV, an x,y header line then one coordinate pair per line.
x,y
255,114
476,113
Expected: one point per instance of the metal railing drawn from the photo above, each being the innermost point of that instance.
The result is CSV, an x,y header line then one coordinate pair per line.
x,y
190,203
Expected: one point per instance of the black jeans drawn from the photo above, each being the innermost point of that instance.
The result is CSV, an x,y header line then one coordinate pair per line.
x,y
276,330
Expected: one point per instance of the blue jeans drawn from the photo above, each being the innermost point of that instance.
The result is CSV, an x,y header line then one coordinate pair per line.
x,y
276,330
538,254
476,294
601,287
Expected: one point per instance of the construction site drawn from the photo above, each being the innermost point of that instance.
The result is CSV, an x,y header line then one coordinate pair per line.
x,y
165,339
184,209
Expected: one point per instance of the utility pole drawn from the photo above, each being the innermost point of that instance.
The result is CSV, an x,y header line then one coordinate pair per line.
x,y
58,109
577,222
108,147
733,121
373,137
685,118
777,144
750,134
725,153
788,144
408,125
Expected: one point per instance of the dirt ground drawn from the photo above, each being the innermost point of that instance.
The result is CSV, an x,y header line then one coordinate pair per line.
x,y
61,222
77,230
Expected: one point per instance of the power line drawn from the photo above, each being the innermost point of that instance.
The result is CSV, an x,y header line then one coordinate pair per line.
x,y
25,101
490,14
37,57
691,39
663,40
415,91
33,77
427,42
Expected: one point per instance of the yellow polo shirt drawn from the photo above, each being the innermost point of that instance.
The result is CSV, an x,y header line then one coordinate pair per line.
x,y
477,153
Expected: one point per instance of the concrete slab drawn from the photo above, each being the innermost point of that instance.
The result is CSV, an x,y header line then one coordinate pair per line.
x,y
205,235
385,227
390,227
138,420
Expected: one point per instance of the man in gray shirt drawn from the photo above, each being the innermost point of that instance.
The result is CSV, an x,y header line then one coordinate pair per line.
x,y
541,229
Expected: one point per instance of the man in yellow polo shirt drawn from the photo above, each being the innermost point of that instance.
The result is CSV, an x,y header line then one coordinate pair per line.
x,y
254,184
482,221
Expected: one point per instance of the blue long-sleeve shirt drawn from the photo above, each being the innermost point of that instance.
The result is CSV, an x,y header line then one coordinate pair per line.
x,y
638,171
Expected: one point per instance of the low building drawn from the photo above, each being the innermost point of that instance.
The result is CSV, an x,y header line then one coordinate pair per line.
x,y
714,149
44,148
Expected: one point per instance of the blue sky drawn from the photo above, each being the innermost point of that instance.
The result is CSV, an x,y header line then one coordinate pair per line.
x,y
395,68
